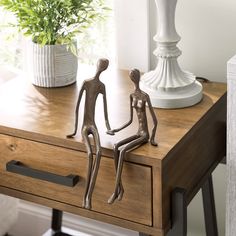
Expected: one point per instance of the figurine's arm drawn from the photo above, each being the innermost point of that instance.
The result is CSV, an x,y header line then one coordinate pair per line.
x,y
152,139
127,123
77,112
105,110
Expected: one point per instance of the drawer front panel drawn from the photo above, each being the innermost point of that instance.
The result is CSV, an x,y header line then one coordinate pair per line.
x,y
135,206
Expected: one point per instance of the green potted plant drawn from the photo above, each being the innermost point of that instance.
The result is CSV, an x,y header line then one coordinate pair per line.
x,y
52,26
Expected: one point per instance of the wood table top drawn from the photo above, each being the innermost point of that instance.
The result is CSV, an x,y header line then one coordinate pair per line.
x,y
47,115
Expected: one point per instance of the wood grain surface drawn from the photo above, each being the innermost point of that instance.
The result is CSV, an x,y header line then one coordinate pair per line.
x,y
48,115
136,178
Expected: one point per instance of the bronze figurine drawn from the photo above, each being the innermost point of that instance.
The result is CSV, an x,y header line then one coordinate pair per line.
x,y
92,88
138,101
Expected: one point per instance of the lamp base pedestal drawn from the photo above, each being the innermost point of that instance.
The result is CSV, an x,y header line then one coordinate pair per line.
x,y
175,97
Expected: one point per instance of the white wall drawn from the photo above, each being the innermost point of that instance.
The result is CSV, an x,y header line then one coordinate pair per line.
x,y
132,34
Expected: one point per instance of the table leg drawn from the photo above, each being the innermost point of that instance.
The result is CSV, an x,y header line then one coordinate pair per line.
x,y
57,223
179,213
56,220
209,208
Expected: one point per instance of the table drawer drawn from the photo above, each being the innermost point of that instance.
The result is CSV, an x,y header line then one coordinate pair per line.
x,y
135,206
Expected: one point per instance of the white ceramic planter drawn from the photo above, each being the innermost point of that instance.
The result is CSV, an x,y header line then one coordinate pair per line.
x,y
51,65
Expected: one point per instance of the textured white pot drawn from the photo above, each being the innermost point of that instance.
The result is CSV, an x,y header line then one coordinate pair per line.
x,y
51,65
168,85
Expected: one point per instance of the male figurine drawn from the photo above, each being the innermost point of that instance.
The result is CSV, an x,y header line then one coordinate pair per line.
x,y
138,102
92,88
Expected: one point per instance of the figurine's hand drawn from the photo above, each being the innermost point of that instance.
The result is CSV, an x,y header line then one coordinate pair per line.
x,y
111,132
153,142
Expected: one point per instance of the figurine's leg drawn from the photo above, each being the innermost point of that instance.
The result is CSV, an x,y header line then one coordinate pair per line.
x,y
116,158
90,164
131,145
95,168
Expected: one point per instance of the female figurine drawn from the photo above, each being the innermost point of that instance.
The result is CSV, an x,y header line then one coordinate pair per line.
x,y
138,101
92,88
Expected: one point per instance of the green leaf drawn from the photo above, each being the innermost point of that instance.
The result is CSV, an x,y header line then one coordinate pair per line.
x,y
54,21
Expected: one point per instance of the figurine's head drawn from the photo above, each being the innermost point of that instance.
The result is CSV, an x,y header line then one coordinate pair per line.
x,y
135,76
102,64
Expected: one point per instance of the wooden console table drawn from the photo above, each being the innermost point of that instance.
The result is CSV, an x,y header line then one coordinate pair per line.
x,y
159,182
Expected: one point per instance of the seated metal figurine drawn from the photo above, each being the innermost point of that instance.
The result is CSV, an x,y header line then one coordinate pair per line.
x,y
92,88
138,101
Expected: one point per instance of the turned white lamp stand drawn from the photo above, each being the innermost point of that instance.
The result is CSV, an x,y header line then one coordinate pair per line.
x,y
168,85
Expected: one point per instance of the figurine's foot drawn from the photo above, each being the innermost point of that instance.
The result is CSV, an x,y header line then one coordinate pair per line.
x,y
154,143
113,197
118,194
121,193
87,204
70,135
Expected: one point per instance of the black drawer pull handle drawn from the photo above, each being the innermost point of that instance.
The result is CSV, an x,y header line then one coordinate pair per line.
x,y
19,168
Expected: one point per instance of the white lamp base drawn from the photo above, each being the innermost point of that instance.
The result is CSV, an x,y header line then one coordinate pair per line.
x,y
168,85
175,98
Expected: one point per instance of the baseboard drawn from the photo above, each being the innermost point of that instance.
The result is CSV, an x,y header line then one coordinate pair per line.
x,y
85,226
